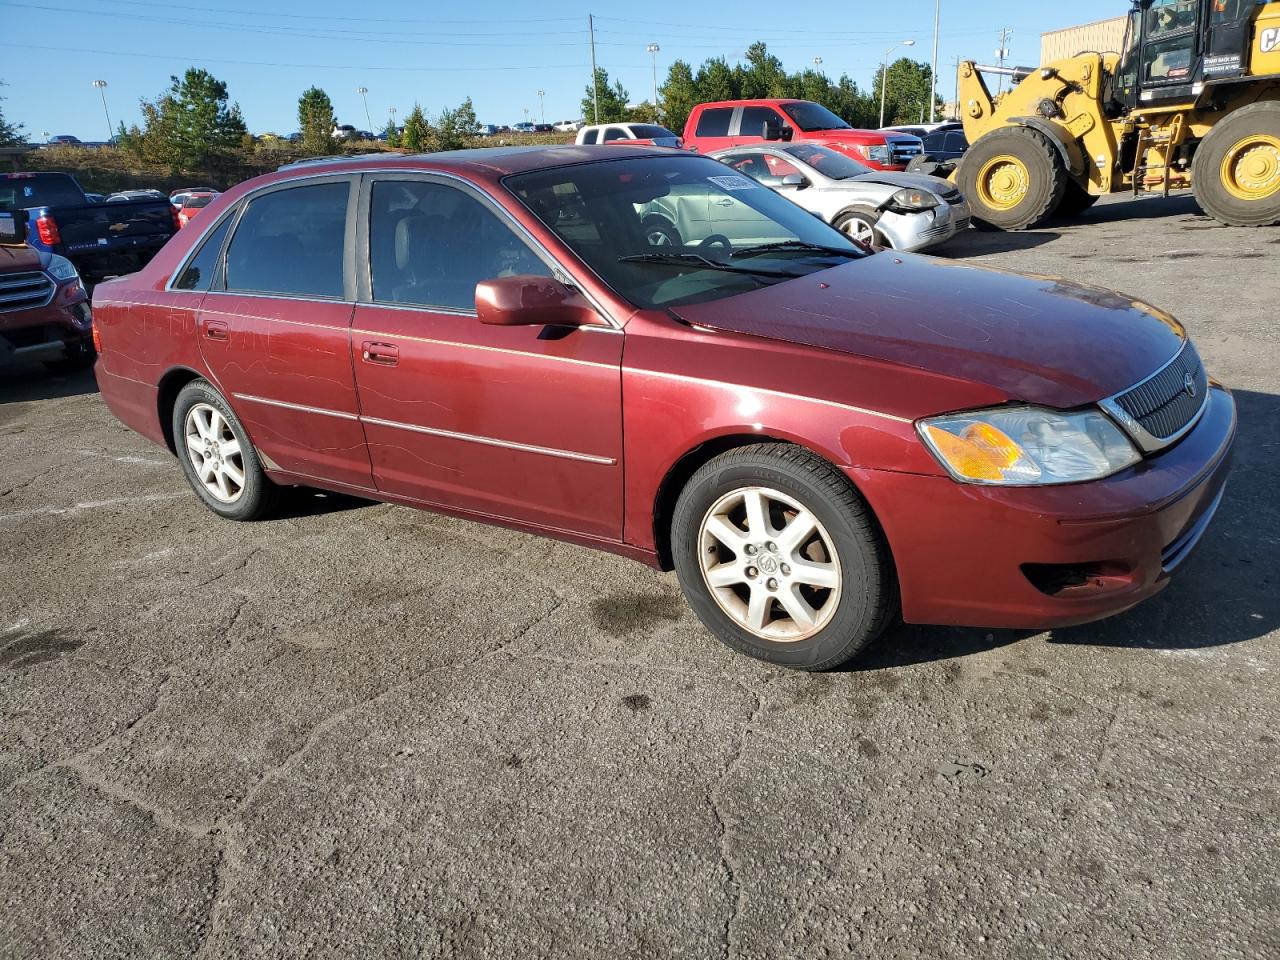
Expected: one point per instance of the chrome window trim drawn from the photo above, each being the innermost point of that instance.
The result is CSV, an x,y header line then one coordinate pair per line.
x,y
1149,443
358,331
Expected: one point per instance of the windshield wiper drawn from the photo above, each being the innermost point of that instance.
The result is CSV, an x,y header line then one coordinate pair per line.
x,y
695,259
800,245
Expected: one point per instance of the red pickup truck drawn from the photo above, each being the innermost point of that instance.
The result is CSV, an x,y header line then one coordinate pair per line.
x,y
735,123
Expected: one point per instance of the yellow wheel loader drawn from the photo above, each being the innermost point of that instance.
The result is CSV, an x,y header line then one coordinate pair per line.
x,y
1192,100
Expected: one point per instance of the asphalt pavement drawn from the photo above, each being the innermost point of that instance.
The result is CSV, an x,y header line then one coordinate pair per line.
x,y
362,730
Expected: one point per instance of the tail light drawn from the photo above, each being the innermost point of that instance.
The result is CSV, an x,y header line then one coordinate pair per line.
x,y
177,219
47,230
97,339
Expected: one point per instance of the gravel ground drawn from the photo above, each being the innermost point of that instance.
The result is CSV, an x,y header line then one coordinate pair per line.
x,y
362,730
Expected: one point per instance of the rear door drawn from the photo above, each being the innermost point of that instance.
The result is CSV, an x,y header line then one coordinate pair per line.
x,y
275,329
712,130
522,423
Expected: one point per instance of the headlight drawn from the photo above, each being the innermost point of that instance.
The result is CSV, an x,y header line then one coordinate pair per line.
x,y
1027,446
914,200
60,268
878,154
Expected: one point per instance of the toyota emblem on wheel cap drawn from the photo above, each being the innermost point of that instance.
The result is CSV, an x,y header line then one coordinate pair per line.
x,y
1189,383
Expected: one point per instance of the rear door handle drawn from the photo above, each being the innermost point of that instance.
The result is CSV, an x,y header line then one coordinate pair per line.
x,y
387,354
217,330
723,202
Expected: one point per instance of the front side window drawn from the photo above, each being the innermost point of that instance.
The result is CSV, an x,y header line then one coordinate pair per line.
x,y
200,269
430,244
290,242
615,133
664,231
754,119
814,116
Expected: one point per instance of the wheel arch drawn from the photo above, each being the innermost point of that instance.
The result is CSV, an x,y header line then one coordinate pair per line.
x,y
170,386
1063,141
692,460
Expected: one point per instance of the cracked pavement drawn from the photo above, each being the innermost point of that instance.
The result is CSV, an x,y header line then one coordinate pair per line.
x,y
362,730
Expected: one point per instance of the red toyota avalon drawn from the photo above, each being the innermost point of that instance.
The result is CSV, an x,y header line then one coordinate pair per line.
x,y
817,437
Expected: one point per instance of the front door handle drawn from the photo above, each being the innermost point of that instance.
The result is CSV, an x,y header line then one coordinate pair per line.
x,y
217,330
386,354
723,202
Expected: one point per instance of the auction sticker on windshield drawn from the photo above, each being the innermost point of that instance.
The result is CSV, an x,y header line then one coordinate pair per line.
x,y
734,183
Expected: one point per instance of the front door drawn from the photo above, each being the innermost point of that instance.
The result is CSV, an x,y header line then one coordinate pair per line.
x,y
274,330
521,423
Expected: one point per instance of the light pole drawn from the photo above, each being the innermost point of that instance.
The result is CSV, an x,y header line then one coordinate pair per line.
x,y
364,95
542,105
817,62
884,76
652,49
101,86
933,71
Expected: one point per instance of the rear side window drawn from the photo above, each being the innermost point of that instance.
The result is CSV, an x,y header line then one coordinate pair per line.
x,y
290,242
589,136
200,269
754,119
430,244
714,123
957,142
615,133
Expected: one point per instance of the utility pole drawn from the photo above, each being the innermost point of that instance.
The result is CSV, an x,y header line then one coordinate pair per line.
x,y
1003,54
101,86
364,95
542,104
595,86
653,49
933,72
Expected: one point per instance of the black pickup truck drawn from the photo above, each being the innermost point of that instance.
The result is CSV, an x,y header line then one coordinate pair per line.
x,y
101,239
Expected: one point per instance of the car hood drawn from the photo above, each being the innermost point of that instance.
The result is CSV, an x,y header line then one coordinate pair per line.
x,y
18,259
913,181
1034,339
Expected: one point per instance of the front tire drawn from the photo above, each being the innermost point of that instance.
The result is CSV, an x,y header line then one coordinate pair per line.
x,y
781,559
862,224
216,456
660,232
1236,171
1013,178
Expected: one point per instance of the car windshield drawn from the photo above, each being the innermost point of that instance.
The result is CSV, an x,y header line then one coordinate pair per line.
x,y
664,231
826,161
814,116
197,201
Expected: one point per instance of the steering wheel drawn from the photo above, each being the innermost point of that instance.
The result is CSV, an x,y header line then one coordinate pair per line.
x,y
716,240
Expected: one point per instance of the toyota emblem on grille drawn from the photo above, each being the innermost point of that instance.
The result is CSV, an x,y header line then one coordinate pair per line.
x,y
1189,384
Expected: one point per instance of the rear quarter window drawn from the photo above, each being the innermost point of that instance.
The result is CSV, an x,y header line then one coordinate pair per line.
x,y
199,272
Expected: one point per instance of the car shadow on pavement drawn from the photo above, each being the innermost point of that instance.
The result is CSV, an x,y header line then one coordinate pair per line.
x,y
23,383
981,243
1229,591
299,502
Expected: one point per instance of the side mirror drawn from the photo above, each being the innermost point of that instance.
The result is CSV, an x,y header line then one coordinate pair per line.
x,y
775,130
531,301
13,227
794,180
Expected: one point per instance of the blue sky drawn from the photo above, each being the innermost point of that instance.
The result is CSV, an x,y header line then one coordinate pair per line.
x,y
498,53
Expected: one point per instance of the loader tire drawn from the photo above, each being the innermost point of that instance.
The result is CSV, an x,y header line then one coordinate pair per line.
x,y
1013,178
1236,171
1075,201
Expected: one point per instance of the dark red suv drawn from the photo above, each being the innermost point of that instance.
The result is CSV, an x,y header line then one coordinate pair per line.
x,y
814,435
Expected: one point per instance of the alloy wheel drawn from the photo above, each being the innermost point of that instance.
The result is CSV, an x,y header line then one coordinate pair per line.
x,y
860,230
215,453
769,564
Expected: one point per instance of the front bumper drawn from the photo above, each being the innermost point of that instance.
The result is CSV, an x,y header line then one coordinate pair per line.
x,y
1042,557
912,232
50,332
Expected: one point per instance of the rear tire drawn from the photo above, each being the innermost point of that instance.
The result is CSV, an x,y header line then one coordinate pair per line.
x,y
804,579
217,457
1075,201
1236,171
1013,178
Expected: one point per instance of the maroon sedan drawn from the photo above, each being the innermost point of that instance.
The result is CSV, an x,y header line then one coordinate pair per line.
x,y
816,437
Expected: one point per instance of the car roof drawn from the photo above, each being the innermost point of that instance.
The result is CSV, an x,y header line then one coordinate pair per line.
x,y
484,162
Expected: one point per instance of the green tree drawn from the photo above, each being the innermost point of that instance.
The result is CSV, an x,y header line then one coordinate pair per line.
x,y
715,81
10,133
456,126
678,96
392,134
763,74
613,99
643,112
418,135
907,95
191,122
316,120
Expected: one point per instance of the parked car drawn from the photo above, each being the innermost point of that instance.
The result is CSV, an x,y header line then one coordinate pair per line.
x,y
630,134
543,128
522,128
64,140
193,204
486,130
345,131
568,126
176,197
946,145
815,436
736,123
95,198
903,211
44,309
127,195
99,238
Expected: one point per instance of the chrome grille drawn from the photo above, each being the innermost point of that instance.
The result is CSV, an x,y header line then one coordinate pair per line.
x,y
22,291
904,151
1164,406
